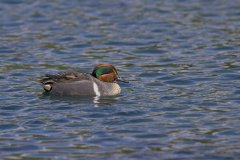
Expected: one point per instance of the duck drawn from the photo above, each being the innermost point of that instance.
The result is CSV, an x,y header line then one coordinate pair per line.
x,y
103,81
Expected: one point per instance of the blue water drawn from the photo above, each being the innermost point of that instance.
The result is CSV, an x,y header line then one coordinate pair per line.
x,y
182,59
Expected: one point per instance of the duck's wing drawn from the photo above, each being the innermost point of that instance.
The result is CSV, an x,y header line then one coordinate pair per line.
x,y
64,78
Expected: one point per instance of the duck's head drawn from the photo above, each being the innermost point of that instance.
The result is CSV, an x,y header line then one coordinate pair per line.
x,y
106,73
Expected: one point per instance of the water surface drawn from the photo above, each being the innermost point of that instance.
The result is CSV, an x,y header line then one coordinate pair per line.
x,y
181,57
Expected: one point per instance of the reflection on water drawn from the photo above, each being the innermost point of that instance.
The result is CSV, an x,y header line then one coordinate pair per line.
x,y
182,60
96,100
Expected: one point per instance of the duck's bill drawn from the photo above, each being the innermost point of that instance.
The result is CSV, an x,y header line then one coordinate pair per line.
x,y
119,79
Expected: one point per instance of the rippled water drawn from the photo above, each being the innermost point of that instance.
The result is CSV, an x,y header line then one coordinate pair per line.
x,y
182,58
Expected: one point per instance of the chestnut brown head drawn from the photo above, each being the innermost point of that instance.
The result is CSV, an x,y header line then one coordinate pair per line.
x,y
106,73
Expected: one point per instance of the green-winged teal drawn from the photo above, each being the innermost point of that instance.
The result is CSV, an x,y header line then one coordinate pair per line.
x,y
102,82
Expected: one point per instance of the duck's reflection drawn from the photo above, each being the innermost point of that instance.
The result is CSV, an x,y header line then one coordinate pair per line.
x,y
97,101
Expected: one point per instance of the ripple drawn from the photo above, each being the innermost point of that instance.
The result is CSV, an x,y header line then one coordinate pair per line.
x,y
8,127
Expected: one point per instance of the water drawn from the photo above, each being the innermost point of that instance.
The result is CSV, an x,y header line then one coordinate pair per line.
x,y
181,57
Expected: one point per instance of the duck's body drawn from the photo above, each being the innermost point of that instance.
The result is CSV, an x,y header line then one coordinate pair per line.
x,y
102,82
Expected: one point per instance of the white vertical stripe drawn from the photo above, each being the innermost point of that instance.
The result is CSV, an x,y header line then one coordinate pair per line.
x,y
96,90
